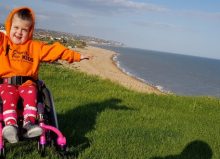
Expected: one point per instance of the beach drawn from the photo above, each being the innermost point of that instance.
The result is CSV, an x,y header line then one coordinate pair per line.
x,y
103,65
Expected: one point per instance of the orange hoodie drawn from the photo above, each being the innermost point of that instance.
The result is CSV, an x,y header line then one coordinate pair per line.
x,y
24,59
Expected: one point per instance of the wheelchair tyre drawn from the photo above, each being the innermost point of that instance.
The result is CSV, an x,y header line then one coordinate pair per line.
x,y
50,107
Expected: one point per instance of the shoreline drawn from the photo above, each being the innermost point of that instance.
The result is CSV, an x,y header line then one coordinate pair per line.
x,y
104,65
131,75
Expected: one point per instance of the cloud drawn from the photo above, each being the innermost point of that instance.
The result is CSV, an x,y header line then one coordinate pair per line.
x,y
53,20
128,4
162,26
106,6
43,17
202,14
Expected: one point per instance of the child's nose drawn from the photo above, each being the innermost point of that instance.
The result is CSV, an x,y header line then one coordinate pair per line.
x,y
19,31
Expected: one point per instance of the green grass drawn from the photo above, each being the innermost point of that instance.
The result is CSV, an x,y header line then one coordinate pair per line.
x,y
103,120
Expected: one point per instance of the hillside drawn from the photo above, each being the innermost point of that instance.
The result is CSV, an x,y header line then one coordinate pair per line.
x,y
45,33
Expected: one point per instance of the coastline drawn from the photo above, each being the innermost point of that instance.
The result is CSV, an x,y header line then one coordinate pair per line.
x,y
103,64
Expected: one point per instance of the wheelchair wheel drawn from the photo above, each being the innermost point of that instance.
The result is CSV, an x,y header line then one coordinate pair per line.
x,y
50,107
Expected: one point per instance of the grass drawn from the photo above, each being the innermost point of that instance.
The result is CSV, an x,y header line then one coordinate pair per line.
x,y
103,120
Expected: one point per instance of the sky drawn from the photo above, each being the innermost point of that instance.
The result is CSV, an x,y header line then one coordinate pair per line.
x,y
190,27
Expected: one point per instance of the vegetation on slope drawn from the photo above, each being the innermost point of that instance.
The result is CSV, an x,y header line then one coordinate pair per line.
x,y
104,120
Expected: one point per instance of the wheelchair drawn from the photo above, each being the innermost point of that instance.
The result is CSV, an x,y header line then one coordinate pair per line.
x,y
46,118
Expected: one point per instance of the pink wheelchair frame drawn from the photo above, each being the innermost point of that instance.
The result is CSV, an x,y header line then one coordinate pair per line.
x,y
45,108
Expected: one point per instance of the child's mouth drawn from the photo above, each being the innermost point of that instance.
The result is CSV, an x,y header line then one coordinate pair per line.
x,y
17,37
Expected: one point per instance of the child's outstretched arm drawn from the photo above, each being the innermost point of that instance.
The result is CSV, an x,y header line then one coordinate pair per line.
x,y
50,53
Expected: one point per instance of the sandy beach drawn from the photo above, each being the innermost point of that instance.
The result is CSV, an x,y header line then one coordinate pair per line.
x,y
102,64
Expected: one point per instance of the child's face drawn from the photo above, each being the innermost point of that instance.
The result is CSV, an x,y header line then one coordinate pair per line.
x,y
20,28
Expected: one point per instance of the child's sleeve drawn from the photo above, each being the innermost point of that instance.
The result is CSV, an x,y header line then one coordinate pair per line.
x,y
1,38
1,41
50,53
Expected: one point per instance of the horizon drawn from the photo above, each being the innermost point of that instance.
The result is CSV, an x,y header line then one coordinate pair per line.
x,y
188,28
160,51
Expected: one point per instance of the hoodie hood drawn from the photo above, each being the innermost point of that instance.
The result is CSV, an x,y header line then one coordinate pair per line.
x,y
8,21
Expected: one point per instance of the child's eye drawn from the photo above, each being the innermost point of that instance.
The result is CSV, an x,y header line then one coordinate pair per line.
x,y
25,30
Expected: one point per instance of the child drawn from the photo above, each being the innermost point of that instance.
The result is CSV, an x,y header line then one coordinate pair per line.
x,y
19,63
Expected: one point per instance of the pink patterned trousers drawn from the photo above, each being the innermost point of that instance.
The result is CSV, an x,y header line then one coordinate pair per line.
x,y
10,95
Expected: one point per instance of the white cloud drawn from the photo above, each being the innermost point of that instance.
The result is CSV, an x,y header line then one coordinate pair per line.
x,y
127,4
106,6
162,26
202,14
43,17
199,14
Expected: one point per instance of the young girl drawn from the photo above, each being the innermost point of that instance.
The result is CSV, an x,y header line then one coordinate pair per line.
x,y
20,57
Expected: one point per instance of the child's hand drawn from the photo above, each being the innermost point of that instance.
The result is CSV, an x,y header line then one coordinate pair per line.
x,y
86,57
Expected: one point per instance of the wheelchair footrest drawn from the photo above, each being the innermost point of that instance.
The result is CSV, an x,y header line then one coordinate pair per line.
x,y
61,139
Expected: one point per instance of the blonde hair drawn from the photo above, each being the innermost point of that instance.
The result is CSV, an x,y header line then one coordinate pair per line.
x,y
25,14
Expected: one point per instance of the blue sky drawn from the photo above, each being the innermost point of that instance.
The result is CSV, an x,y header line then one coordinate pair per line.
x,y
190,27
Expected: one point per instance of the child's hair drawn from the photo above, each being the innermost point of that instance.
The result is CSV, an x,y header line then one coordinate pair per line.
x,y
25,14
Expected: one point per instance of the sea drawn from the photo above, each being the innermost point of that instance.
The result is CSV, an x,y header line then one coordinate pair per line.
x,y
180,74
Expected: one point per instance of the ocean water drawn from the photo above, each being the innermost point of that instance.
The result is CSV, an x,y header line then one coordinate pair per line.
x,y
180,74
